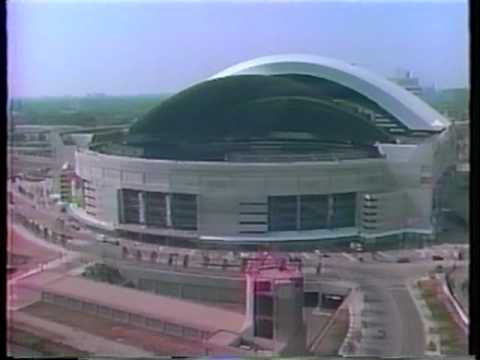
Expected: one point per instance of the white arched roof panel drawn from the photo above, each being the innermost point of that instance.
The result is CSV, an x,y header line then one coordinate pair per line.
x,y
415,114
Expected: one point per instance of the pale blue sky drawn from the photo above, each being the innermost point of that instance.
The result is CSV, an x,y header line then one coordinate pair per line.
x,y
75,48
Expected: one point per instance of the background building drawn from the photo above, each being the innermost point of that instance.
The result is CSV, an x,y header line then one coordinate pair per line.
x,y
410,83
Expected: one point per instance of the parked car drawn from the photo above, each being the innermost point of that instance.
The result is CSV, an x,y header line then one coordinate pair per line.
x,y
403,260
437,258
356,246
107,240
75,226
100,237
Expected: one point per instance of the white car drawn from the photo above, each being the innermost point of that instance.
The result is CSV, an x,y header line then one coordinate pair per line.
x,y
100,237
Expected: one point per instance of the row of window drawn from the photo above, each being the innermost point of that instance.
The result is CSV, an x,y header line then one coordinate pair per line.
x,y
157,209
179,211
308,212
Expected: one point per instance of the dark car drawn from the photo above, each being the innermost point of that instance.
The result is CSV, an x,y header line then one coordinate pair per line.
x,y
75,226
437,258
403,260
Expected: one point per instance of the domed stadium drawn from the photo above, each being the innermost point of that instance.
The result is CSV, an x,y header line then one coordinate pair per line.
x,y
255,114
278,149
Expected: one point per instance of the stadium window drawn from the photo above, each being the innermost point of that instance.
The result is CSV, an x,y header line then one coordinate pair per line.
x,y
282,213
155,209
313,212
183,210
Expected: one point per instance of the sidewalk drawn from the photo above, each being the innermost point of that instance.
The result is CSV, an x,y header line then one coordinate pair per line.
x,y
456,280
352,344
77,339
15,227
426,317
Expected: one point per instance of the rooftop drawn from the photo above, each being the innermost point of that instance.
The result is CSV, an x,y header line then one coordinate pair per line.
x,y
257,107
161,307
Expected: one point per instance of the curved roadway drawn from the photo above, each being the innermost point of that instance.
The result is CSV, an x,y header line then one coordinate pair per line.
x,y
391,324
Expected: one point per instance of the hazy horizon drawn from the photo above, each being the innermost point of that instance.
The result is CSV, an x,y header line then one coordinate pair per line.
x,y
146,49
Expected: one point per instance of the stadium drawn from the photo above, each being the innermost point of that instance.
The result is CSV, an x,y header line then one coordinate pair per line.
x,y
275,150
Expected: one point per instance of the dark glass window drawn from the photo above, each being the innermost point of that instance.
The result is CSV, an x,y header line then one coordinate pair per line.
x,y
282,213
264,328
183,211
156,209
313,212
263,286
263,306
129,206
309,212
343,214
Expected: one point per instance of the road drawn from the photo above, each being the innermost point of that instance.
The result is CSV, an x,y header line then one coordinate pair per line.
x,y
390,322
18,351
388,306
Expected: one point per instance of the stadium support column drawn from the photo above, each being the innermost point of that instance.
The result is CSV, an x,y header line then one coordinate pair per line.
x,y
330,212
141,207
298,213
248,328
121,204
168,205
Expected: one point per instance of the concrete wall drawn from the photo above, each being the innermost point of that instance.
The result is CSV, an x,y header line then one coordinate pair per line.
x,y
224,188
120,315
213,289
408,172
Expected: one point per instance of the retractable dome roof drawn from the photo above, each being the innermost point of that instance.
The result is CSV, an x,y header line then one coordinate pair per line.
x,y
415,114
254,107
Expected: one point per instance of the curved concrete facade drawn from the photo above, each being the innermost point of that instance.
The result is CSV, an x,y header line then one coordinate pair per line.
x,y
259,202
228,192
404,106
